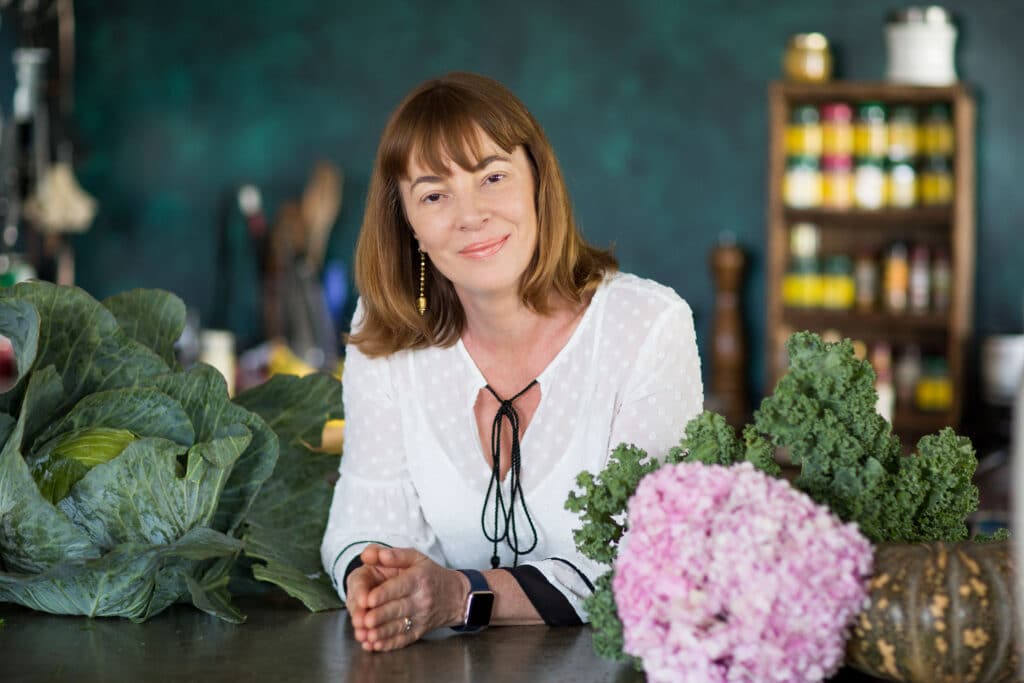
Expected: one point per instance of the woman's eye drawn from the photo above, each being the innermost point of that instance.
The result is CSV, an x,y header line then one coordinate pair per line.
x,y
432,198
494,177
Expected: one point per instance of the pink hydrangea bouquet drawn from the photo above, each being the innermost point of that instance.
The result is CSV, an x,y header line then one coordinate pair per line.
x,y
728,574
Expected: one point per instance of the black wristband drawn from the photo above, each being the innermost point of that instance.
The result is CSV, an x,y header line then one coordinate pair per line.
x,y
479,603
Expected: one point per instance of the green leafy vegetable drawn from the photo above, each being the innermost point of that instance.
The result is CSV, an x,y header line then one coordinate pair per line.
x,y
284,530
126,484
823,413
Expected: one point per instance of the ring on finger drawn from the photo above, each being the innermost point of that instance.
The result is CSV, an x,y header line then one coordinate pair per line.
x,y
407,624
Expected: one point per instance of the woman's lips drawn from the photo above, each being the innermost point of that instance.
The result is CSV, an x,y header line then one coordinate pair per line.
x,y
482,250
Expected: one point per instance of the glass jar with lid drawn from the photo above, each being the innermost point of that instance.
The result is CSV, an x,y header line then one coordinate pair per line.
x,y
808,58
837,182
869,184
803,132
801,186
870,133
836,129
901,184
903,133
936,182
937,131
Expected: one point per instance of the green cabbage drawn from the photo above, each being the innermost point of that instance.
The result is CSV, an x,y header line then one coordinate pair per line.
x,y
127,484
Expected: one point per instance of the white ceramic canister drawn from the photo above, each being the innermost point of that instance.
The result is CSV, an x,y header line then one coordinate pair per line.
x,y
921,43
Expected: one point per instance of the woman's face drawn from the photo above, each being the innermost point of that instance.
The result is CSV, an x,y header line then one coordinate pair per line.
x,y
478,227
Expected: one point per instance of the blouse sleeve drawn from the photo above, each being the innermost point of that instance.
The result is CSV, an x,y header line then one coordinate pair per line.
x,y
664,391
374,499
661,394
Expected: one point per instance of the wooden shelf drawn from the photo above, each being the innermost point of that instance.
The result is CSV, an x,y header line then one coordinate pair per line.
x,y
853,232
817,93
873,320
917,423
937,217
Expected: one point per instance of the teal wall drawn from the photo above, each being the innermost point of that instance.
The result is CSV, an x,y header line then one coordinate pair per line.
x,y
656,109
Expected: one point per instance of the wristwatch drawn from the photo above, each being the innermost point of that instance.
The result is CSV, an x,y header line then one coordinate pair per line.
x,y
479,603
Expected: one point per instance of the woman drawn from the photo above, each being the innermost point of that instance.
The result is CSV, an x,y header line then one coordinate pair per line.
x,y
495,355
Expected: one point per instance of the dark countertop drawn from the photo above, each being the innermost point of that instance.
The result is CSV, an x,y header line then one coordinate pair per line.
x,y
283,642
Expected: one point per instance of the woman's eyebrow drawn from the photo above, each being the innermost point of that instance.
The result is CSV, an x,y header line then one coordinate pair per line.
x,y
480,165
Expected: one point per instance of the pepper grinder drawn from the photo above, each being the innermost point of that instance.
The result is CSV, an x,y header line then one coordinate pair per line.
x,y
728,355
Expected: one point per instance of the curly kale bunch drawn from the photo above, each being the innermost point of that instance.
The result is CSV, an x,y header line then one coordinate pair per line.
x,y
823,413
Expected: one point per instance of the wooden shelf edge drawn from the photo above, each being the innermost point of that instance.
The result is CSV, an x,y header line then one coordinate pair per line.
x,y
863,90
939,217
817,317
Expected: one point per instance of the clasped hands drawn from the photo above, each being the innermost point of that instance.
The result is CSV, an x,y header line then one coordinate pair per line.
x,y
395,585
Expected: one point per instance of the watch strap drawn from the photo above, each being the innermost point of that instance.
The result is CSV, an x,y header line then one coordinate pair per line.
x,y
477,583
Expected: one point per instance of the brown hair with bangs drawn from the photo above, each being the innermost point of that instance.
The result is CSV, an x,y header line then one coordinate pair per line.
x,y
438,121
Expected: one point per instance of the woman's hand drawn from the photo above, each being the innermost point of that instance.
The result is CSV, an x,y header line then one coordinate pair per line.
x,y
398,583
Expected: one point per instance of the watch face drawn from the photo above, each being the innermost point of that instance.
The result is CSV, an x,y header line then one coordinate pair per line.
x,y
478,608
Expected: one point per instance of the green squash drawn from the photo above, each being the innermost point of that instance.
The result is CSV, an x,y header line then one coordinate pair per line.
x,y
939,612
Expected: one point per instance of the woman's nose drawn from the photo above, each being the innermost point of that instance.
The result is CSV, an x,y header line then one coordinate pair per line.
x,y
473,211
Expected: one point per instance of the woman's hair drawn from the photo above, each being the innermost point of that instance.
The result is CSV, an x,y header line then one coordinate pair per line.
x,y
437,121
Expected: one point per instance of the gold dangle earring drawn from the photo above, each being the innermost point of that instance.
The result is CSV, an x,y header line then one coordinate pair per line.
x,y
421,302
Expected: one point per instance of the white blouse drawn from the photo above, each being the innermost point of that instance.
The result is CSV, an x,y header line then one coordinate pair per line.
x,y
414,473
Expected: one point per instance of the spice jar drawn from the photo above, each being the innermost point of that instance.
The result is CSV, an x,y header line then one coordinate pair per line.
x,y
837,182
804,239
803,133
870,134
808,58
801,186
941,280
836,129
936,182
920,279
907,374
837,286
937,131
869,184
865,276
802,284
934,390
903,133
901,184
896,278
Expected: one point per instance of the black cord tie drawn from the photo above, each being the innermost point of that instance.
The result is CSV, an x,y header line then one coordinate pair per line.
x,y
508,532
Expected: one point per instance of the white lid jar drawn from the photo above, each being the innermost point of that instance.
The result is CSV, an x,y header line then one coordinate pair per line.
x,y
921,43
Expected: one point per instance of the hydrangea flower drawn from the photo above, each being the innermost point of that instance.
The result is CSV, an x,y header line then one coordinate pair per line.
x,y
728,574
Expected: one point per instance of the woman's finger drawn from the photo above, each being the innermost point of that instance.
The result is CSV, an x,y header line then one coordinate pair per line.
x,y
402,627
394,610
398,557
